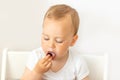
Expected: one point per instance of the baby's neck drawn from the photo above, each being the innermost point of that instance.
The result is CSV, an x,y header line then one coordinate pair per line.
x,y
59,64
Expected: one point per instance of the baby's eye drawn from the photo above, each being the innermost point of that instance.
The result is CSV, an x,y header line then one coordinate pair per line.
x,y
59,41
46,38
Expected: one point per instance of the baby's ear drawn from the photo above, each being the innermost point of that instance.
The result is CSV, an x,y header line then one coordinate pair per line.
x,y
74,40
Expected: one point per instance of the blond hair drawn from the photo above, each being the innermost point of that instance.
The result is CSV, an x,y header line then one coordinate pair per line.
x,y
61,10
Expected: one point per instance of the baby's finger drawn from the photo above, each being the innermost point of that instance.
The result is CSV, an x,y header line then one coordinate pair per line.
x,y
46,58
49,65
48,61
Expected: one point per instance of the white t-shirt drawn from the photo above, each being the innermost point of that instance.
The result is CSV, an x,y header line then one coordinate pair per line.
x,y
74,69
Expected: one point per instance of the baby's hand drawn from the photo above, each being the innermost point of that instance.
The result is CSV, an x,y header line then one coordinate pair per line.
x,y
43,65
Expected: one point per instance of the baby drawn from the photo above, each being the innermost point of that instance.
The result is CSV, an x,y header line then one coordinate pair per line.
x,y
54,60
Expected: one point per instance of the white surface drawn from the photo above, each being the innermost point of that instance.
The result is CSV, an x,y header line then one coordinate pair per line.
x,y
20,26
3,65
13,64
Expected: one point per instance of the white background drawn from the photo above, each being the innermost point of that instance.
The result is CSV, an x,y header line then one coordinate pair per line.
x,y
99,33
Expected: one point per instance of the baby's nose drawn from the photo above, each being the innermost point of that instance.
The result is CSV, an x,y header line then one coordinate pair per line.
x,y
51,44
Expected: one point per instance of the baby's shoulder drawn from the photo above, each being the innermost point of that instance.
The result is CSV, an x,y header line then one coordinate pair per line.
x,y
38,52
77,57
75,54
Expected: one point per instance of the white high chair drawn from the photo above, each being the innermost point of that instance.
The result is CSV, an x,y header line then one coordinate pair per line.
x,y
98,66
13,65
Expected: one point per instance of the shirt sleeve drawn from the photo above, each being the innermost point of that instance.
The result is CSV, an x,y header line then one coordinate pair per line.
x,y
82,70
32,60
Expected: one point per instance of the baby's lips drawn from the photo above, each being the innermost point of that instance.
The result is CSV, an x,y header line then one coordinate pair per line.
x,y
52,54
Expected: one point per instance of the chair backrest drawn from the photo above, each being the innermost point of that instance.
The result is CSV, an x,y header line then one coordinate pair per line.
x,y
13,64
98,66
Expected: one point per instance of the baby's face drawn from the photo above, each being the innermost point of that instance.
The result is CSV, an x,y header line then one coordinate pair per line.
x,y
57,36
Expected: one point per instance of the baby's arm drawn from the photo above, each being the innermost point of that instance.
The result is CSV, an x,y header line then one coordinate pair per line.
x,y
86,78
41,67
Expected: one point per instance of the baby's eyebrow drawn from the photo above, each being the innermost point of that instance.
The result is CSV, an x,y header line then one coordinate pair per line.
x,y
44,34
59,37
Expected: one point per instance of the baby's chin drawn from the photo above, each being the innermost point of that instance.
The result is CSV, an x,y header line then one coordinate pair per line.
x,y
52,54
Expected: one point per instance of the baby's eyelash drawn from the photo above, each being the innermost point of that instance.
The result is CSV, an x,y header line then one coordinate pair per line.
x,y
58,41
46,38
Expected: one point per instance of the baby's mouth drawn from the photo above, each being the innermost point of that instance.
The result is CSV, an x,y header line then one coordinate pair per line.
x,y
52,54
